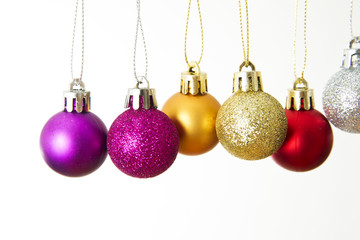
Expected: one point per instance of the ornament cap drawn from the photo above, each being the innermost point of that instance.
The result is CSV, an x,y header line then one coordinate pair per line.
x,y
352,55
194,81
300,97
141,96
77,99
247,81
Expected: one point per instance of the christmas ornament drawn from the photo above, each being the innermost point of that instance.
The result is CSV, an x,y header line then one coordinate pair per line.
x,y
73,142
309,138
142,142
342,92
251,124
194,110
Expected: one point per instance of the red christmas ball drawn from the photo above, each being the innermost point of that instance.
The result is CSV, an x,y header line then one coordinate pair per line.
x,y
308,142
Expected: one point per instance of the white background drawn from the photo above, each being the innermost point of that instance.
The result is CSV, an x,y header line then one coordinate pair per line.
x,y
212,196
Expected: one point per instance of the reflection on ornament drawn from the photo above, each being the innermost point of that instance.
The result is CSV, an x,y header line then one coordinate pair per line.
x,y
194,111
142,142
73,142
309,139
341,96
251,124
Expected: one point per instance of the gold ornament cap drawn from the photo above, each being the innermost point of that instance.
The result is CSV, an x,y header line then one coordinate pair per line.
x,y
141,96
247,81
194,81
300,97
77,99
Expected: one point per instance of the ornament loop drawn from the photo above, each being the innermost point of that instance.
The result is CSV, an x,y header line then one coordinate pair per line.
x,y
142,80
194,68
247,64
355,40
301,84
77,84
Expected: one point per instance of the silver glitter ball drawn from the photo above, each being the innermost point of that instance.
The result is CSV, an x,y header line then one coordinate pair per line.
x,y
341,99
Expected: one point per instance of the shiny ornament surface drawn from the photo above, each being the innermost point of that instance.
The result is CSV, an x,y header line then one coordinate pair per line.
x,y
194,117
74,144
341,99
251,125
143,143
308,143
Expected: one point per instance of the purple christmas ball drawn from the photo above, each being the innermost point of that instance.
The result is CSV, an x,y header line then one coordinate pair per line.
x,y
74,144
143,143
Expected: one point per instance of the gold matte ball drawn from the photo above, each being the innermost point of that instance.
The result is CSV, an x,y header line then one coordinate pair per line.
x,y
194,118
251,125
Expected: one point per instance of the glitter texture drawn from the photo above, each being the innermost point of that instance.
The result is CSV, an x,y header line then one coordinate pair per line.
x,y
143,143
251,125
74,144
341,99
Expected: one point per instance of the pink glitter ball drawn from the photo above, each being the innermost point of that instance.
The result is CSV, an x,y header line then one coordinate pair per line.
x,y
143,143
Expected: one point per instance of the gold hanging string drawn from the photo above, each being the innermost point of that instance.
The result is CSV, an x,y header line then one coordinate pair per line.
x,y
202,33
247,47
305,38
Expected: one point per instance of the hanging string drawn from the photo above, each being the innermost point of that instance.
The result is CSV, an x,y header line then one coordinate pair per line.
x,y
305,38
82,39
139,25
202,33
246,49
357,37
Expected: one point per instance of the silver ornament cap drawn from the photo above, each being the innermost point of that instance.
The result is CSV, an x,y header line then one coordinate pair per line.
x,y
77,99
352,55
141,96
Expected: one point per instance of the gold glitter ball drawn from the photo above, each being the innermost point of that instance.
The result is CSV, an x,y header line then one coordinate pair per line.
x,y
251,125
